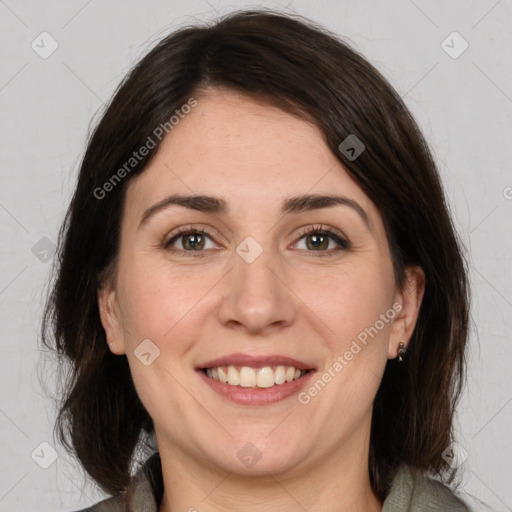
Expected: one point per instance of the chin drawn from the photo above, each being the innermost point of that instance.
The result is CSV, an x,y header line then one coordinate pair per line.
x,y
261,455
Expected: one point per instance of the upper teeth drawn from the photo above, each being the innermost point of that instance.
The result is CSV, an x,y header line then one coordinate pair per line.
x,y
247,377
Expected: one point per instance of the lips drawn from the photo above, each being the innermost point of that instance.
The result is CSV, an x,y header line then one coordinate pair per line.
x,y
255,380
255,362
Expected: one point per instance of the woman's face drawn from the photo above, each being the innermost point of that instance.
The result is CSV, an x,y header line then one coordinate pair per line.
x,y
255,292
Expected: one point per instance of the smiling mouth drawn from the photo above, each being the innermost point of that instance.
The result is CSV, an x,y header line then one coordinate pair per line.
x,y
248,377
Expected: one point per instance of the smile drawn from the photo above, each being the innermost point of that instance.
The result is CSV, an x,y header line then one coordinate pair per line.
x,y
254,380
248,377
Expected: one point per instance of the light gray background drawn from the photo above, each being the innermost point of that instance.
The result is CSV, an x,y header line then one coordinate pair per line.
x,y
463,105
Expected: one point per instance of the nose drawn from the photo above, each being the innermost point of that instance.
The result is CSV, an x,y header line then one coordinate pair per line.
x,y
257,297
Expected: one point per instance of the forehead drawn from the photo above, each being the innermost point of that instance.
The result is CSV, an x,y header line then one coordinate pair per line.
x,y
244,150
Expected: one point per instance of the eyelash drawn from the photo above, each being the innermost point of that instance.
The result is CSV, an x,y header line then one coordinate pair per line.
x,y
190,230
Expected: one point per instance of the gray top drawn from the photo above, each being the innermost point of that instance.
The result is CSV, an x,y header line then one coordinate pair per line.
x,y
409,493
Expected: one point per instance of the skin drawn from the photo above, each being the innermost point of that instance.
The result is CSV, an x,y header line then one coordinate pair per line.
x,y
289,301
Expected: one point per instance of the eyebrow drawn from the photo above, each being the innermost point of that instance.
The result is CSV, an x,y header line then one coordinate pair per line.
x,y
290,205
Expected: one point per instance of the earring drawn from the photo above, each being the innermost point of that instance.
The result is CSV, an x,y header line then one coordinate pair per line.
x,y
402,349
110,346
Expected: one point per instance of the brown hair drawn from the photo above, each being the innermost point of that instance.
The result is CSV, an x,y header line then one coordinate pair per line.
x,y
302,68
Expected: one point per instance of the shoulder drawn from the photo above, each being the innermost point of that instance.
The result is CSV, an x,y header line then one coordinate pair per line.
x,y
143,493
415,492
113,504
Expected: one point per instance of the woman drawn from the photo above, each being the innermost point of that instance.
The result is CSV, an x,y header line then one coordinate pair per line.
x,y
258,267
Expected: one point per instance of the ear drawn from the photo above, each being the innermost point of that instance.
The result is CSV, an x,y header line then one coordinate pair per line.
x,y
410,301
111,318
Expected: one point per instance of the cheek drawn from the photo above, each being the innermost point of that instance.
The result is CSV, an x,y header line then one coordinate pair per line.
x,y
349,303
355,313
164,307
157,301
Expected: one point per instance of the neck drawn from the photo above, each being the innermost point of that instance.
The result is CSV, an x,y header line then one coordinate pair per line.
x,y
339,479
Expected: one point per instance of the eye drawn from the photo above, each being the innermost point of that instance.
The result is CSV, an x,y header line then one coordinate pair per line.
x,y
192,240
318,240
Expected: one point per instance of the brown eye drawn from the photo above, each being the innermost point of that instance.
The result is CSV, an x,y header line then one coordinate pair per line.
x,y
192,240
319,240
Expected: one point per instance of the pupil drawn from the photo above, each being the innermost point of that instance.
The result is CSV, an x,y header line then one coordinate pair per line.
x,y
193,244
317,240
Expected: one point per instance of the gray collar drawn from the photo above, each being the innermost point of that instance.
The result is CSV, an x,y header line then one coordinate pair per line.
x,y
412,492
